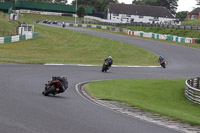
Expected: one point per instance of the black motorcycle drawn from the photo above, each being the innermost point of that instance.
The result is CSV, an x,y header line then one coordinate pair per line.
x,y
105,66
55,86
45,21
163,63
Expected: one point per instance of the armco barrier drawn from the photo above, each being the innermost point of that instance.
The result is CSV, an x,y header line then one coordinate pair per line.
x,y
188,40
1,39
192,91
182,39
89,26
163,37
197,41
35,35
29,36
114,29
84,25
22,37
7,39
17,38
194,40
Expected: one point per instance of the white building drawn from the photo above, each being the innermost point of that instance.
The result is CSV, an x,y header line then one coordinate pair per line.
x,y
127,13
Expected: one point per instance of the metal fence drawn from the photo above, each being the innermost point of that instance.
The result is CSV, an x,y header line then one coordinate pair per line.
x,y
165,26
146,25
192,89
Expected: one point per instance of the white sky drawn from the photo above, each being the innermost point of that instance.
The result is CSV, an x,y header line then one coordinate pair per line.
x,y
183,5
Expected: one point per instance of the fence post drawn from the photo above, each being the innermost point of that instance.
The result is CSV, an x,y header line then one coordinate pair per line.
x,y
192,82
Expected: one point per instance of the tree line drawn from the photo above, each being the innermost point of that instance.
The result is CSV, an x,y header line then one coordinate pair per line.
x,y
102,5
47,1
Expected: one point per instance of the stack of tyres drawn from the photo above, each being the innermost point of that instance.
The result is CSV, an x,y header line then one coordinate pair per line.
x,y
197,41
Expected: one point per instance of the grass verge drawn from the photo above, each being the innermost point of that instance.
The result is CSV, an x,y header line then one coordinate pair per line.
x,y
57,45
7,27
31,18
162,96
192,22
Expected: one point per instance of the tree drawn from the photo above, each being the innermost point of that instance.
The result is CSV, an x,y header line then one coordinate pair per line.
x,y
97,5
182,14
81,12
104,5
198,2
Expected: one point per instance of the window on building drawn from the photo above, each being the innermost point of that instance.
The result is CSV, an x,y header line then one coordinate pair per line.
x,y
193,17
128,15
115,14
141,16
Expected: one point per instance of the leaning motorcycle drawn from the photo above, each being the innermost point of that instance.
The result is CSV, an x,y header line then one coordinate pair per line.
x,y
163,63
55,86
105,66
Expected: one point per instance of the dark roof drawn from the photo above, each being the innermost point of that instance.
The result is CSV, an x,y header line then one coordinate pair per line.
x,y
195,11
141,10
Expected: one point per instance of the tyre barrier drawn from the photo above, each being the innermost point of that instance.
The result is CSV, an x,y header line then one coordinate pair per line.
x,y
192,89
114,29
17,38
162,36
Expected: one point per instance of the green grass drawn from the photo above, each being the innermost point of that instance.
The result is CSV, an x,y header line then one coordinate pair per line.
x,y
31,18
57,45
162,96
192,22
7,27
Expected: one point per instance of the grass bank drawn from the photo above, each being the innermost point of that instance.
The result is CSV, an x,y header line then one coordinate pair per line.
x,y
31,18
57,45
162,96
7,27
192,22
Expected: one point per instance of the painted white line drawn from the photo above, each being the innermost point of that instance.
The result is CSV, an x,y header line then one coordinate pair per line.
x,y
54,64
85,65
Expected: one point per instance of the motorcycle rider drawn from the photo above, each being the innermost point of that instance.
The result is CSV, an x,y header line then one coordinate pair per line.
x,y
110,61
161,58
64,84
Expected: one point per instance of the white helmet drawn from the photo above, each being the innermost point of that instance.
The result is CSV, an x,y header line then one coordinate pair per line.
x,y
110,57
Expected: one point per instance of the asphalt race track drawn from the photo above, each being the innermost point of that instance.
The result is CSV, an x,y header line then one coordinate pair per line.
x,y
23,109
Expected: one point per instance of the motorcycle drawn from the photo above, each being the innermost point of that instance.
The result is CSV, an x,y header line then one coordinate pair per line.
x,y
55,86
162,63
45,21
105,66
55,22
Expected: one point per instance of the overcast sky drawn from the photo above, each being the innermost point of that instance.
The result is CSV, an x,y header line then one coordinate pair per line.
x,y
183,5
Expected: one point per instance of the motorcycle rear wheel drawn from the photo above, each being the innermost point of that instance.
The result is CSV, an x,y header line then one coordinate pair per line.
x,y
49,90
163,65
